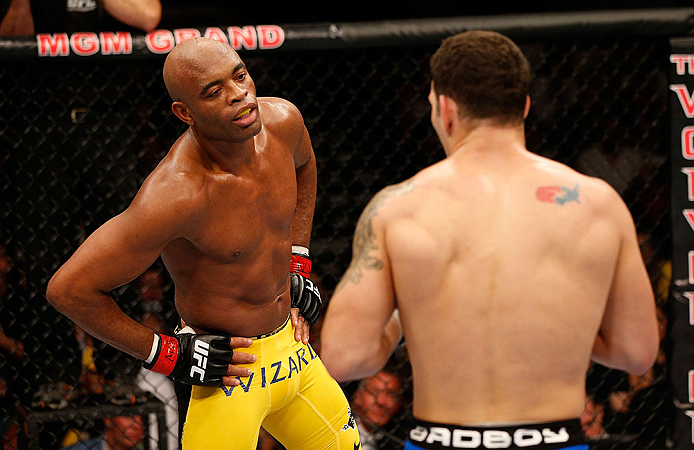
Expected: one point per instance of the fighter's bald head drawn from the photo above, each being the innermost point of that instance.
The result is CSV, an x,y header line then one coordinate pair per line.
x,y
190,57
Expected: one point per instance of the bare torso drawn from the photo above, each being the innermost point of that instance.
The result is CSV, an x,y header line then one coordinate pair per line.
x,y
518,286
231,272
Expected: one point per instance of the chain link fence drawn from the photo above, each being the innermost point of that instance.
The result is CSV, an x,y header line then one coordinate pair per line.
x,y
78,137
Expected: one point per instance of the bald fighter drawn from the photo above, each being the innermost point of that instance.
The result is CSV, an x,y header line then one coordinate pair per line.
x,y
229,209
509,272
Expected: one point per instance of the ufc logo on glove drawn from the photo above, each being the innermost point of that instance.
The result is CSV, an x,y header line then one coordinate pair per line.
x,y
201,351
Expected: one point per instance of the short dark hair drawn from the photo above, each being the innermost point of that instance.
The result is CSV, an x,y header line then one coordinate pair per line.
x,y
485,73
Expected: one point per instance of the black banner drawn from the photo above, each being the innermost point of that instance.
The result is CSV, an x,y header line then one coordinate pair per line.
x,y
320,36
682,197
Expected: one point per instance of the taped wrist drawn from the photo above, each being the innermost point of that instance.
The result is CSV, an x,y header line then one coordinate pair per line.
x,y
156,342
300,262
164,358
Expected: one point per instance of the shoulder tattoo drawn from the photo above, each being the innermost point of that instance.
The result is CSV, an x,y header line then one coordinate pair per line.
x,y
365,238
559,195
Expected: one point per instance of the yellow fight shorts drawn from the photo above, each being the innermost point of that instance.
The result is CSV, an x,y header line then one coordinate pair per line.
x,y
289,393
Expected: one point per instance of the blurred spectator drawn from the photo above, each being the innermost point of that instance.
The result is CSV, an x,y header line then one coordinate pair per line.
x,y
121,433
636,403
11,347
150,287
9,420
11,356
91,381
151,292
28,17
375,402
592,419
635,408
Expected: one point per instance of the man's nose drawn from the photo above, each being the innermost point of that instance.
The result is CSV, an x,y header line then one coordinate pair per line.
x,y
236,93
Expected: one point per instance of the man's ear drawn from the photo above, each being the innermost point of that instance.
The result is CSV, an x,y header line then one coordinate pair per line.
x,y
527,107
449,113
181,111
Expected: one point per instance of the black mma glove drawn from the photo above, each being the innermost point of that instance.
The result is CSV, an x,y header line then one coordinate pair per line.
x,y
199,359
304,292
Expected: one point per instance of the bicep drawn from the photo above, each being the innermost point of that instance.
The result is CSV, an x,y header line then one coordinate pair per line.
x,y
364,299
631,294
630,303
629,325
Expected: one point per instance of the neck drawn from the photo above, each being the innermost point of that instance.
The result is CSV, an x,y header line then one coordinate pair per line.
x,y
487,136
224,155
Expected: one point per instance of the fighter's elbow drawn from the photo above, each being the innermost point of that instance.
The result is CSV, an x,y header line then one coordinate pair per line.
x,y
336,366
58,292
643,359
150,20
145,18
339,372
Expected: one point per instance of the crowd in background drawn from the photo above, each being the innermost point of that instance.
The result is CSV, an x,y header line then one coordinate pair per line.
x,y
93,373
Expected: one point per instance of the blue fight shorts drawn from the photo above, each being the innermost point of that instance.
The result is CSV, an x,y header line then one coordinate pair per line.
x,y
566,435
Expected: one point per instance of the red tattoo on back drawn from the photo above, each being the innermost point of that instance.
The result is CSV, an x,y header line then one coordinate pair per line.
x,y
550,194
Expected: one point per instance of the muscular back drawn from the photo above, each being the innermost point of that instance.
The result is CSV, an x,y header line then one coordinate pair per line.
x,y
513,257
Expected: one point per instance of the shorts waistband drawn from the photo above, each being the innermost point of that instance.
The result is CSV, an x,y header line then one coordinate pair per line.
x,y
275,331
179,330
545,436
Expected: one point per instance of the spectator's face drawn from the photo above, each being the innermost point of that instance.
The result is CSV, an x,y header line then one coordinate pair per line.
x,y
151,286
592,419
124,432
4,269
378,398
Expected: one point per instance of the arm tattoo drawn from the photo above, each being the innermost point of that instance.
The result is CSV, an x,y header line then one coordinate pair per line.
x,y
364,236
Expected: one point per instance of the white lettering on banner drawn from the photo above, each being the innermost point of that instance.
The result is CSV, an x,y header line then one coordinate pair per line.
x,y
118,43
245,37
270,36
688,143
683,63
690,266
183,34
689,215
53,44
217,34
690,301
690,385
686,99
160,41
262,37
689,171
691,416
84,44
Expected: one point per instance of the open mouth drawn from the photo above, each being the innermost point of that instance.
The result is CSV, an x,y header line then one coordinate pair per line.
x,y
244,113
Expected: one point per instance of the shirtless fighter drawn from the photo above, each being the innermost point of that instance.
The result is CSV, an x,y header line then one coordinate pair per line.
x,y
509,272
225,209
